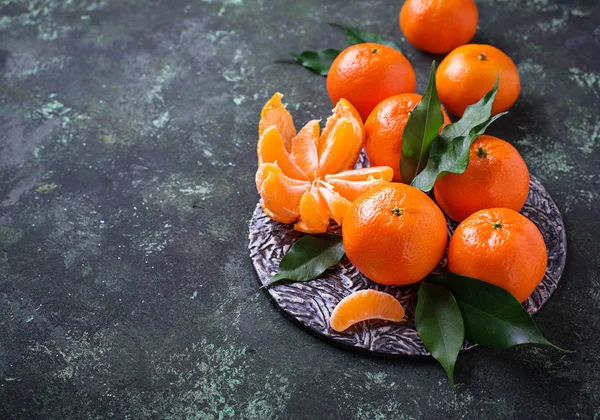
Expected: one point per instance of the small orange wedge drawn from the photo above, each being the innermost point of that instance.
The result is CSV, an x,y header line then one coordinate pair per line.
x,y
304,149
281,197
270,149
351,190
364,174
341,148
364,305
314,214
343,109
294,169
274,114
336,204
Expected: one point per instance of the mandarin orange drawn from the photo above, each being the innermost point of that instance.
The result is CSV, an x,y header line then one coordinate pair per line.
x,y
502,247
394,234
438,26
384,128
365,74
469,72
497,176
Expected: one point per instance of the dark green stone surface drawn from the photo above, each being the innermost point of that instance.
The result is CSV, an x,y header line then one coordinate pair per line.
x,y
127,158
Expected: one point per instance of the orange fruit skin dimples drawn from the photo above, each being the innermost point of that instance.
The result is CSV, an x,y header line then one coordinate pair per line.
x,y
365,74
394,234
469,72
502,247
497,176
438,26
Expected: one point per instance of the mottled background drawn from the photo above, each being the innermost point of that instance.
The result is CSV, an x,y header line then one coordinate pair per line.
x,y
127,156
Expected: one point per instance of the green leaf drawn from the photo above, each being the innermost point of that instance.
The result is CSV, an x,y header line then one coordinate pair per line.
x,y
358,36
492,316
309,257
449,152
317,61
421,129
440,325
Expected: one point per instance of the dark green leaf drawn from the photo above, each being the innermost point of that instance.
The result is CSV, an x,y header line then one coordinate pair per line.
x,y
421,129
449,152
358,36
309,257
492,316
317,61
452,157
440,325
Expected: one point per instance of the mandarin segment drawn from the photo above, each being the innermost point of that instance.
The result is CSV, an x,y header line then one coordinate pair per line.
x,y
364,305
337,205
304,149
314,214
351,190
274,114
266,169
270,149
341,149
343,109
282,198
364,174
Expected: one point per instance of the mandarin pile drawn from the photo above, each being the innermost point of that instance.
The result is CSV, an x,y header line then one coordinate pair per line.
x,y
394,233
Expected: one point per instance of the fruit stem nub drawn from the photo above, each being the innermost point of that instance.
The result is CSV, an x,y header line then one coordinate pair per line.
x,y
482,56
481,153
374,50
397,211
496,225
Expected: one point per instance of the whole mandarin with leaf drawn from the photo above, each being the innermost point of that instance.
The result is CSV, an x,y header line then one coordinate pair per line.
x,y
469,72
365,74
384,128
497,176
394,234
438,26
502,247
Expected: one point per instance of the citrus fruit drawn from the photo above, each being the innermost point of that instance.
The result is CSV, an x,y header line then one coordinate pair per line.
x,y
497,176
394,234
384,128
502,247
364,305
438,26
469,72
305,177
365,74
